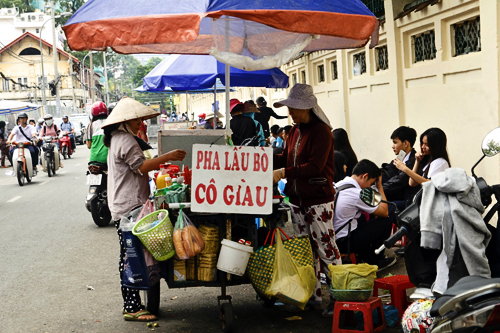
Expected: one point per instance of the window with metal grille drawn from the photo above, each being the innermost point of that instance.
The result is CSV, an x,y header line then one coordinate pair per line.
x,y
335,73
424,46
467,36
361,59
294,79
22,80
5,85
381,58
375,6
303,75
321,73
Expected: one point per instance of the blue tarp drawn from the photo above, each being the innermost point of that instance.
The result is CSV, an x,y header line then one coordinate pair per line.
x,y
191,72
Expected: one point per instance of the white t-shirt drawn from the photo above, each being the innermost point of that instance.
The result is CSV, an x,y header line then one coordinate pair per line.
x,y
19,137
349,206
435,167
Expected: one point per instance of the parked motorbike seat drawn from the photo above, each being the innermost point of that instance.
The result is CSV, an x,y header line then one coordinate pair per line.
x,y
468,286
99,164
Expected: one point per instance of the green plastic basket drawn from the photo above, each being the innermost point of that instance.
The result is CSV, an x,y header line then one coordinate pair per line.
x,y
351,295
158,240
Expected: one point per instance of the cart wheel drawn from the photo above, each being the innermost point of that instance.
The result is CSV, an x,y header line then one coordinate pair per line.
x,y
152,300
227,317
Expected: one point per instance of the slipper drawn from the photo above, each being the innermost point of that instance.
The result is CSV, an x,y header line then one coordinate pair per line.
x,y
135,317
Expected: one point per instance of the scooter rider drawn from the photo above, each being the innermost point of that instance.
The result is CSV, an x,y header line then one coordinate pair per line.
x,y
67,126
24,133
39,125
50,129
95,134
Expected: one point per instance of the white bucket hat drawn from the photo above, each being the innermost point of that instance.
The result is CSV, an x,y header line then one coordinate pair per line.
x,y
301,97
129,109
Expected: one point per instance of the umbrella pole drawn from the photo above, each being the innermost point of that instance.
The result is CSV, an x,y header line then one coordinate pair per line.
x,y
228,86
215,105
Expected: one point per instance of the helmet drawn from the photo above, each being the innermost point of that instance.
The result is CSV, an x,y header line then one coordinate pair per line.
x,y
261,101
47,116
99,109
22,115
202,116
111,106
417,317
65,117
48,119
31,120
40,121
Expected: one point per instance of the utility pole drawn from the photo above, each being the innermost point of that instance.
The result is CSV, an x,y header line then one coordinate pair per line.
x,y
106,78
56,54
91,83
70,60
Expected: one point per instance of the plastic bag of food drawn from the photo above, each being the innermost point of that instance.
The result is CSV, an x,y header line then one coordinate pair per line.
x,y
353,277
188,241
291,282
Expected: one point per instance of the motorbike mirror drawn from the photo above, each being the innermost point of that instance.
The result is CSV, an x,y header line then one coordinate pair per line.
x,y
370,197
491,143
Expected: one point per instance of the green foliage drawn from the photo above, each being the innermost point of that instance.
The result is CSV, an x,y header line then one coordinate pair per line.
x,y
142,71
493,148
23,5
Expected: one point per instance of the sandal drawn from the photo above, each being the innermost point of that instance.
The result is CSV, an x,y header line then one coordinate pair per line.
x,y
135,317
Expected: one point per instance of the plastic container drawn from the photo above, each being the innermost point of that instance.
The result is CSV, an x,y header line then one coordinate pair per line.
x,y
233,257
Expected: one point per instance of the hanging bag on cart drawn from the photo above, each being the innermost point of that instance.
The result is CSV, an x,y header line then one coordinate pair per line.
x,y
188,241
291,283
261,264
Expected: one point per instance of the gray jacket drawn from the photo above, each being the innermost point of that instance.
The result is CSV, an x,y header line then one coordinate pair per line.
x,y
451,210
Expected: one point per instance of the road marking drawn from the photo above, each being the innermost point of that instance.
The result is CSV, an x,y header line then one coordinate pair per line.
x,y
14,199
45,182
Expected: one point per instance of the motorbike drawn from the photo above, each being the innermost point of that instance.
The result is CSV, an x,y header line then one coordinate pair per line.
x,y
97,201
471,304
50,155
23,166
65,145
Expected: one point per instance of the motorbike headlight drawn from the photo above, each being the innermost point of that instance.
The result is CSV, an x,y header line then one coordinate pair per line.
x,y
20,145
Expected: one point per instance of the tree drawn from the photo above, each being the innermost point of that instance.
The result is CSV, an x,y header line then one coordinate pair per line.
x,y
23,5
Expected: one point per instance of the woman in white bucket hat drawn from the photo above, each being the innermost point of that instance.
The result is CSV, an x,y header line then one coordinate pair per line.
x,y
307,164
128,180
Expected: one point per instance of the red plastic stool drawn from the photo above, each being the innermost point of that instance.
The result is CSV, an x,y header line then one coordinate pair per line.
x,y
397,286
367,309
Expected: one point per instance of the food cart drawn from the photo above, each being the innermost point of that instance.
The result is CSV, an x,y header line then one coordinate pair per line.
x,y
230,189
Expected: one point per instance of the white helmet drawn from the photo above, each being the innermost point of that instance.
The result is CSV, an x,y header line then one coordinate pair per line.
x,y
48,119
40,121
417,317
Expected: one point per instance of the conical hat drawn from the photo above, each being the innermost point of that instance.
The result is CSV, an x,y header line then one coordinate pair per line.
x,y
129,109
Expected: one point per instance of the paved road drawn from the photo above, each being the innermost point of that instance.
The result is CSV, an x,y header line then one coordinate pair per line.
x,y
50,251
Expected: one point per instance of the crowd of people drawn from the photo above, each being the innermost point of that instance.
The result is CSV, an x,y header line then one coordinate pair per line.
x,y
323,180
32,132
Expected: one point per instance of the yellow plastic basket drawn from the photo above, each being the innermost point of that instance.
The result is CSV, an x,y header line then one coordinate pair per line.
x,y
158,240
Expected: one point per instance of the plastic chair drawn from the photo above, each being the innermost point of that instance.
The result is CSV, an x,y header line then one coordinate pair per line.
x,y
366,308
397,286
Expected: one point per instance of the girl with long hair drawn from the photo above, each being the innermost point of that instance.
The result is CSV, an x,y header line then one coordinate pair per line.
x,y
432,159
342,144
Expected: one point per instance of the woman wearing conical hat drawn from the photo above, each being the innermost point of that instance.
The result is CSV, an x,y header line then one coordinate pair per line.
x,y
128,180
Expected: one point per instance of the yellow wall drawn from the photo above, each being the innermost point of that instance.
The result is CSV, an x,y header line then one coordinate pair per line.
x,y
458,94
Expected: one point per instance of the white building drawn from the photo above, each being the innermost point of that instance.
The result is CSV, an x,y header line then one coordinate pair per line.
x,y
13,24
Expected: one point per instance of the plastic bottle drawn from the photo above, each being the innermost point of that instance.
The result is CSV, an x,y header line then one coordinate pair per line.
x,y
161,179
168,180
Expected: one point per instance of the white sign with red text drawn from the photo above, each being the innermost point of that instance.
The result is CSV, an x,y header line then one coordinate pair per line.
x,y
229,179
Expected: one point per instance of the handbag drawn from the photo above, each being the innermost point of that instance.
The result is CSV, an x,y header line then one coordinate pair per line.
x,y
261,263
